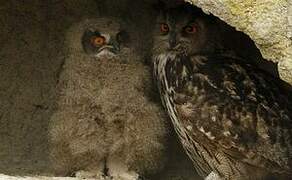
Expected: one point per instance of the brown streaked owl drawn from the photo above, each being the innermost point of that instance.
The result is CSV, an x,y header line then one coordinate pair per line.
x,y
233,119
104,124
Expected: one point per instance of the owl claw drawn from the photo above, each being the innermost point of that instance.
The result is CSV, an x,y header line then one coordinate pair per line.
x,y
89,175
213,176
126,176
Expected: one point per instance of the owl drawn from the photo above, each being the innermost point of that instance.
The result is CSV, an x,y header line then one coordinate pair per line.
x,y
105,124
233,119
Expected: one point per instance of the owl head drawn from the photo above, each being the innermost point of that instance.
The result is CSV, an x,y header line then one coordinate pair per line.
x,y
98,37
184,29
104,37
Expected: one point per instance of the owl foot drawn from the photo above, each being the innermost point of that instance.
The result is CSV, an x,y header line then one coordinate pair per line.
x,y
213,176
119,170
89,175
125,176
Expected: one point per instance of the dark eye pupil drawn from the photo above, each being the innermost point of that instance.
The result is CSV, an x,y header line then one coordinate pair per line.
x,y
190,29
164,28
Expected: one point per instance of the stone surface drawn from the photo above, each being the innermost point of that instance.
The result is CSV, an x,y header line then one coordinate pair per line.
x,y
31,57
6,177
267,22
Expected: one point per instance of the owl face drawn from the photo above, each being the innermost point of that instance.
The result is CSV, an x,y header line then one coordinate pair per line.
x,y
182,29
105,39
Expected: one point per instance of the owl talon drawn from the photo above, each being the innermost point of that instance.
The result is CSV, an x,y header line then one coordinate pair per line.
x,y
89,175
126,176
213,176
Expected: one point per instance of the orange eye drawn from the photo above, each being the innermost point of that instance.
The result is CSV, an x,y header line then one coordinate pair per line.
x,y
164,28
97,40
190,29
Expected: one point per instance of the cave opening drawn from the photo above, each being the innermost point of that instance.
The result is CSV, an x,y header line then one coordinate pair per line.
x,y
31,54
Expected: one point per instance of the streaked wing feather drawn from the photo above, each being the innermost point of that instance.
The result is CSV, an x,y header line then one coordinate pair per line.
x,y
235,108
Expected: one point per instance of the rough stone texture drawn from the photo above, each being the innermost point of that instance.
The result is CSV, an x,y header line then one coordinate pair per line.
x,y
31,36
267,22
31,55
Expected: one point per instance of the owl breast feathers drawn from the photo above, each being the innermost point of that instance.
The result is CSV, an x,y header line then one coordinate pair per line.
x,y
232,118
105,123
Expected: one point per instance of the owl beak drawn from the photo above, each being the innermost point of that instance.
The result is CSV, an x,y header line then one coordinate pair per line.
x,y
106,47
112,47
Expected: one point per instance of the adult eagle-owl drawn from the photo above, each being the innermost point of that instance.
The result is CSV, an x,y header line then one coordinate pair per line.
x,y
233,119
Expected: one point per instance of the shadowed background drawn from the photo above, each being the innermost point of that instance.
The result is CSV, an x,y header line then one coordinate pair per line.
x,y
31,55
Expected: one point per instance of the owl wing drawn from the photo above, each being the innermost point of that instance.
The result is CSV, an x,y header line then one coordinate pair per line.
x,y
234,108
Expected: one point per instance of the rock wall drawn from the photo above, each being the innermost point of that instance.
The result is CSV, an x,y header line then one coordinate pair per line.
x,y
31,41
31,55
267,22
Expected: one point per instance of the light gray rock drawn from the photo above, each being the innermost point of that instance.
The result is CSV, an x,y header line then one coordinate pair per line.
x,y
267,22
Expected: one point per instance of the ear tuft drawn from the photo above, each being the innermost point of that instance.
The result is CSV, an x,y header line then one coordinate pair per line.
x,y
162,5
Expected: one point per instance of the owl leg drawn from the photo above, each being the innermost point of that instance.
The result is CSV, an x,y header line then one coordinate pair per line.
x,y
118,170
89,175
213,176
95,172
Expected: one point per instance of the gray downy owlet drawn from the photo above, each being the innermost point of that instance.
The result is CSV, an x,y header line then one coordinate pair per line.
x,y
104,123
233,119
